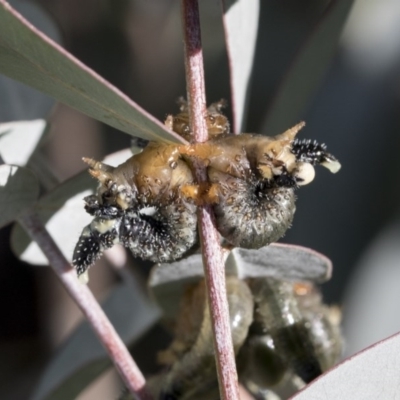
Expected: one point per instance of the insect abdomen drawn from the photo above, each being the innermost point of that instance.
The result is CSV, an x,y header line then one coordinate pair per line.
x,y
165,236
249,215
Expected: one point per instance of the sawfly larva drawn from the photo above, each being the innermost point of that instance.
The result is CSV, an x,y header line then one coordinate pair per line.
x,y
148,204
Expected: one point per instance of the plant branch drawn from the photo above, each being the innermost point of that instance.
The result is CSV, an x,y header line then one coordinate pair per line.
x,y
214,269
85,300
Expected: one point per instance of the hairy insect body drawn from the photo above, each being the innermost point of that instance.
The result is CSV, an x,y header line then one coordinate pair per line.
x,y
148,203
96,237
250,214
138,204
253,178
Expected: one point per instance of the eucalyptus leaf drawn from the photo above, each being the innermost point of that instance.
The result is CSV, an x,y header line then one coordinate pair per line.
x,y
308,69
371,374
281,261
240,21
82,358
18,101
19,139
168,282
377,272
62,212
27,55
19,189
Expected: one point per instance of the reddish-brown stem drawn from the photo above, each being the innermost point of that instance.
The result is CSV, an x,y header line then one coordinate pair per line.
x,y
85,300
194,69
212,253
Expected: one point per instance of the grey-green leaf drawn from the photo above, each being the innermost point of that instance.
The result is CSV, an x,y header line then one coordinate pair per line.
x,y
308,69
19,189
371,374
18,101
62,212
240,21
82,358
19,139
281,261
27,55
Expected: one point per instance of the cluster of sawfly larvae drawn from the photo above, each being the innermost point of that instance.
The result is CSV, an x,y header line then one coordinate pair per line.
x,y
148,204
283,337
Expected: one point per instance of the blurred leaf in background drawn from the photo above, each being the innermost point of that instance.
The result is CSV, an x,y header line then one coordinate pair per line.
x,y
18,101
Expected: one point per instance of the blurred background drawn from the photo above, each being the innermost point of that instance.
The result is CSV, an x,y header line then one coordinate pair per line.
x,y
352,217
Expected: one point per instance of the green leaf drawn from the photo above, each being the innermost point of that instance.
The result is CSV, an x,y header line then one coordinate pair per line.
x,y
27,55
19,189
308,69
19,139
240,21
82,358
62,212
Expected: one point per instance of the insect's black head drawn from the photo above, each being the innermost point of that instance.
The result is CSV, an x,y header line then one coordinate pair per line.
x,y
285,179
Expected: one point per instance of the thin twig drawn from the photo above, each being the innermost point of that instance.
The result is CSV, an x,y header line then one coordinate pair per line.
x,y
85,300
212,253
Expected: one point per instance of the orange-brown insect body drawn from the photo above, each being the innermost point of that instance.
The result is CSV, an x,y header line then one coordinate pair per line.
x,y
217,123
251,183
152,178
